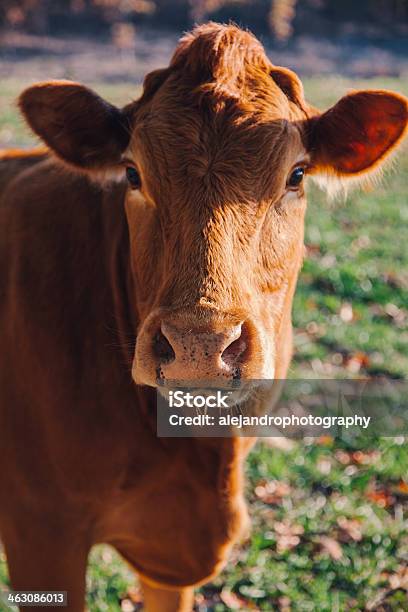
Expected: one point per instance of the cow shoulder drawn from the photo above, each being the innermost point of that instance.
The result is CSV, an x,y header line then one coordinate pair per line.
x,y
57,233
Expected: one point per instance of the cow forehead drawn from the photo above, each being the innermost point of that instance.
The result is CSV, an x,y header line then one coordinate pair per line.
x,y
217,115
237,155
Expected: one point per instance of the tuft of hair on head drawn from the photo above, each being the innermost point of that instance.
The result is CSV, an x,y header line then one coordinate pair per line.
x,y
217,57
218,65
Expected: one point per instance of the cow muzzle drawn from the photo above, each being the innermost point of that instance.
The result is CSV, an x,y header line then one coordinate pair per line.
x,y
199,354
184,349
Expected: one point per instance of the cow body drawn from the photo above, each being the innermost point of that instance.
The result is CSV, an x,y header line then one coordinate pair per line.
x,y
109,290
93,460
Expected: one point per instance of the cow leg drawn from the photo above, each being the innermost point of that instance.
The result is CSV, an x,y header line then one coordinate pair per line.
x,y
165,600
47,560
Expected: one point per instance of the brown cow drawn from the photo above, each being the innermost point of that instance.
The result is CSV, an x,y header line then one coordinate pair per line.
x,y
197,255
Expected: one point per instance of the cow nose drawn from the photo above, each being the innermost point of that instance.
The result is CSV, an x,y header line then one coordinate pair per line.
x,y
197,354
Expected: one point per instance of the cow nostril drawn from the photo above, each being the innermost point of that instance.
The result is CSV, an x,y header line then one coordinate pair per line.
x,y
234,353
162,348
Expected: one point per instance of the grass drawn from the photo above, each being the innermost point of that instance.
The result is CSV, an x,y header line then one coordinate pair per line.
x,y
329,519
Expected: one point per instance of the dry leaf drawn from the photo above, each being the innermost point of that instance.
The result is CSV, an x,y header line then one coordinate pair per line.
x,y
346,312
324,466
400,579
350,528
324,441
232,601
356,361
343,457
402,487
287,535
284,604
381,498
272,492
366,457
332,547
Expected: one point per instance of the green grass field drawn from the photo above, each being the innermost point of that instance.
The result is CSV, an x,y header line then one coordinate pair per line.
x,y
330,526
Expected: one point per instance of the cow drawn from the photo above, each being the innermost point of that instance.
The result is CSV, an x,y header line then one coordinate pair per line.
x,y
157,242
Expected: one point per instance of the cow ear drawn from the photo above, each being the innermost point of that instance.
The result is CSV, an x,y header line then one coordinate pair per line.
x,y
79,126
358,133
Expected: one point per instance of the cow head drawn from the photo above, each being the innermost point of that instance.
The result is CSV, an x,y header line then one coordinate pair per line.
x,y
215,153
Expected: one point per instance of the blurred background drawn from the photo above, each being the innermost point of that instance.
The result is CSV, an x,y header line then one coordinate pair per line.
x,y
330,524
102,38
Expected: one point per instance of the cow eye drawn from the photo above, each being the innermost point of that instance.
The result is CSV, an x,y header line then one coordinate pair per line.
x,y
296,178
133,177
